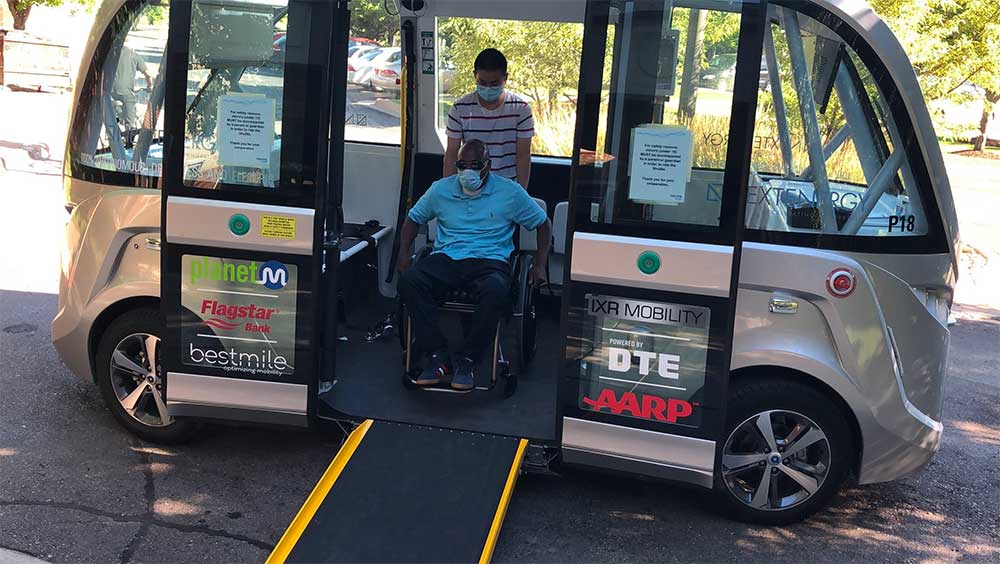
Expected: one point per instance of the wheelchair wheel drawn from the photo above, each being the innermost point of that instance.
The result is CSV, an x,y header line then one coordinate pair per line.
x,y
526,324
509,382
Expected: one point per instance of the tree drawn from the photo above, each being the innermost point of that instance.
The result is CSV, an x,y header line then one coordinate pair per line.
x,y
952,44
370,20
21,9
544,57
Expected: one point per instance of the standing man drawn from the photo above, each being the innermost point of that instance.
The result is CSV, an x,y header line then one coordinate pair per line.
x,y
123,87
499,118
477,212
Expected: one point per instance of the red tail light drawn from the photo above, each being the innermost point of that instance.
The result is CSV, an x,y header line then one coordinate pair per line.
x,y
388,73
350,68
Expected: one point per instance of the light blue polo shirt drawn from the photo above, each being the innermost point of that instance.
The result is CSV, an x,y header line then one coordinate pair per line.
x,y
478,227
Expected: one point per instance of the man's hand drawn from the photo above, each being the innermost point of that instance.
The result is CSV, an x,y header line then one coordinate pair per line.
x,y
404,262
537,275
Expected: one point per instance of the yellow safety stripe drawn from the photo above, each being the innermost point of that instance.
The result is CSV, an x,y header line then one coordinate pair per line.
x,y
319,493
508,490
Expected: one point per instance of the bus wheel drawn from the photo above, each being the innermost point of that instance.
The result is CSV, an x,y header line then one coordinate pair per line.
x,y
131,381
786,452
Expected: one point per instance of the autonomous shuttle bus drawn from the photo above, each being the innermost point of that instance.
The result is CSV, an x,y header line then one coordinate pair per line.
x,y
748,290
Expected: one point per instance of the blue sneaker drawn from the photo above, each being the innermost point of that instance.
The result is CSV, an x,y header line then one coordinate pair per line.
x,y
435,371
465,374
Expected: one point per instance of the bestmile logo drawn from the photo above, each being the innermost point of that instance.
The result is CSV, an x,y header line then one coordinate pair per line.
x,y
272,274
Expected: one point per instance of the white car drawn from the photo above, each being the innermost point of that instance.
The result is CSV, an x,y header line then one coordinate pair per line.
x,y
360,60
365,68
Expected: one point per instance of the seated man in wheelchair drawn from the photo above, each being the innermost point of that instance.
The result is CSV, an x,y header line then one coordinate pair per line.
x,y
477,212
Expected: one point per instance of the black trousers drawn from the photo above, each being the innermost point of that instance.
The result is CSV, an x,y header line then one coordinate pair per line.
x,y
437,273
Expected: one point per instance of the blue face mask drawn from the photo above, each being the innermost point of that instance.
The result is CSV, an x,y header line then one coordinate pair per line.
x,y
489,93
471,181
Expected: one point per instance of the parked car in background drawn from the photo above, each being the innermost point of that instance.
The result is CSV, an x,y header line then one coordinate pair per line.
x,y
355,41
359,65
387,75
365,68
358,50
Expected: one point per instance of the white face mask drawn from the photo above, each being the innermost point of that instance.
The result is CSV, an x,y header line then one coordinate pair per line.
x,y
471,181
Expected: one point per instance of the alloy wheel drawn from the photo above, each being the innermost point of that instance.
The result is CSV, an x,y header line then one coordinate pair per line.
x,y
775,460
136,378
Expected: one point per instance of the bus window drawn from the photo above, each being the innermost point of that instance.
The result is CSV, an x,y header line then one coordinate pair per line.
x,y
829,155
234,95
680,96
544,67
374,75
118,128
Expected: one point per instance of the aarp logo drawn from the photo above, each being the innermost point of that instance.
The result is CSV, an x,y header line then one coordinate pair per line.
x,y
273,275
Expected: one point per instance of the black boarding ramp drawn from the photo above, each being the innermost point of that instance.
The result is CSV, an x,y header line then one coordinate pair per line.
x,y
404,493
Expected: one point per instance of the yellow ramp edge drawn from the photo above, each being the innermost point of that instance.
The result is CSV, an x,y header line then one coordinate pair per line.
x,y
319,493
508,491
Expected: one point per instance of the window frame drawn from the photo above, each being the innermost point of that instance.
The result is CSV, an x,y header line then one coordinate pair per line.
x,y
934,241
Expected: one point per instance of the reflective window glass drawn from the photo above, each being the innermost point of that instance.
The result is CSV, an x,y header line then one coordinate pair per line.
x,y
828,156
119,125
236,58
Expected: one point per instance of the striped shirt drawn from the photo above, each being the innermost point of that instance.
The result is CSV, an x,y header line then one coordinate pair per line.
x,y
499,129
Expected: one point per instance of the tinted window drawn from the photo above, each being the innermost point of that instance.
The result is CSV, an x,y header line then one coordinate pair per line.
x,y
829,156
234,95
662,155
118,127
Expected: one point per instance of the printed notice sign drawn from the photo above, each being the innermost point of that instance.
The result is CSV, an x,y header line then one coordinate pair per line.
x,y
245,130
243,320
277,227
648,362
660,164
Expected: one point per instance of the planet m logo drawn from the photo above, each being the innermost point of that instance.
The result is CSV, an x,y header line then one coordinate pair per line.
x,y
273,275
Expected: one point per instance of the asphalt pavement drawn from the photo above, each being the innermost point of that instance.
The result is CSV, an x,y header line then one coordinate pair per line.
x,y
74,487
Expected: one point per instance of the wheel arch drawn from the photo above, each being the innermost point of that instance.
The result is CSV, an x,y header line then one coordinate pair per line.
x,y
107,317
786,374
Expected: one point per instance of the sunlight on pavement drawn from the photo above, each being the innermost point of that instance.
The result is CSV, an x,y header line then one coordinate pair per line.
x,y
32,213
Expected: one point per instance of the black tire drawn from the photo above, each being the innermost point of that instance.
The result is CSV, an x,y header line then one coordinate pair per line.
x,y
789,400
144,320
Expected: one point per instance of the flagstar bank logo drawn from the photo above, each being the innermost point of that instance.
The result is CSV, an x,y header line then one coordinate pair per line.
x,y
272,274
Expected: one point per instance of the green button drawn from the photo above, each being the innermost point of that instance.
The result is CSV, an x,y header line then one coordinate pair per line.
x,y
649,262
239,224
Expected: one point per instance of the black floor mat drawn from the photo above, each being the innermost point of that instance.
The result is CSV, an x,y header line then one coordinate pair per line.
x,y
369,383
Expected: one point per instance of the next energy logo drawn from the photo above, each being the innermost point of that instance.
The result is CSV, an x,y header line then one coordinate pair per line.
x,y
246,316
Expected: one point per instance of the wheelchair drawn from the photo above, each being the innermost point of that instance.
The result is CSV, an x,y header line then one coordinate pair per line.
x,y
520,320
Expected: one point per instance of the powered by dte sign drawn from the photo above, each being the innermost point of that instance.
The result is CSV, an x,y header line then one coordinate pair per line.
x,y
693,317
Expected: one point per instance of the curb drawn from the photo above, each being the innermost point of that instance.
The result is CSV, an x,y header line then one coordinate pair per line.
x,y
8,556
